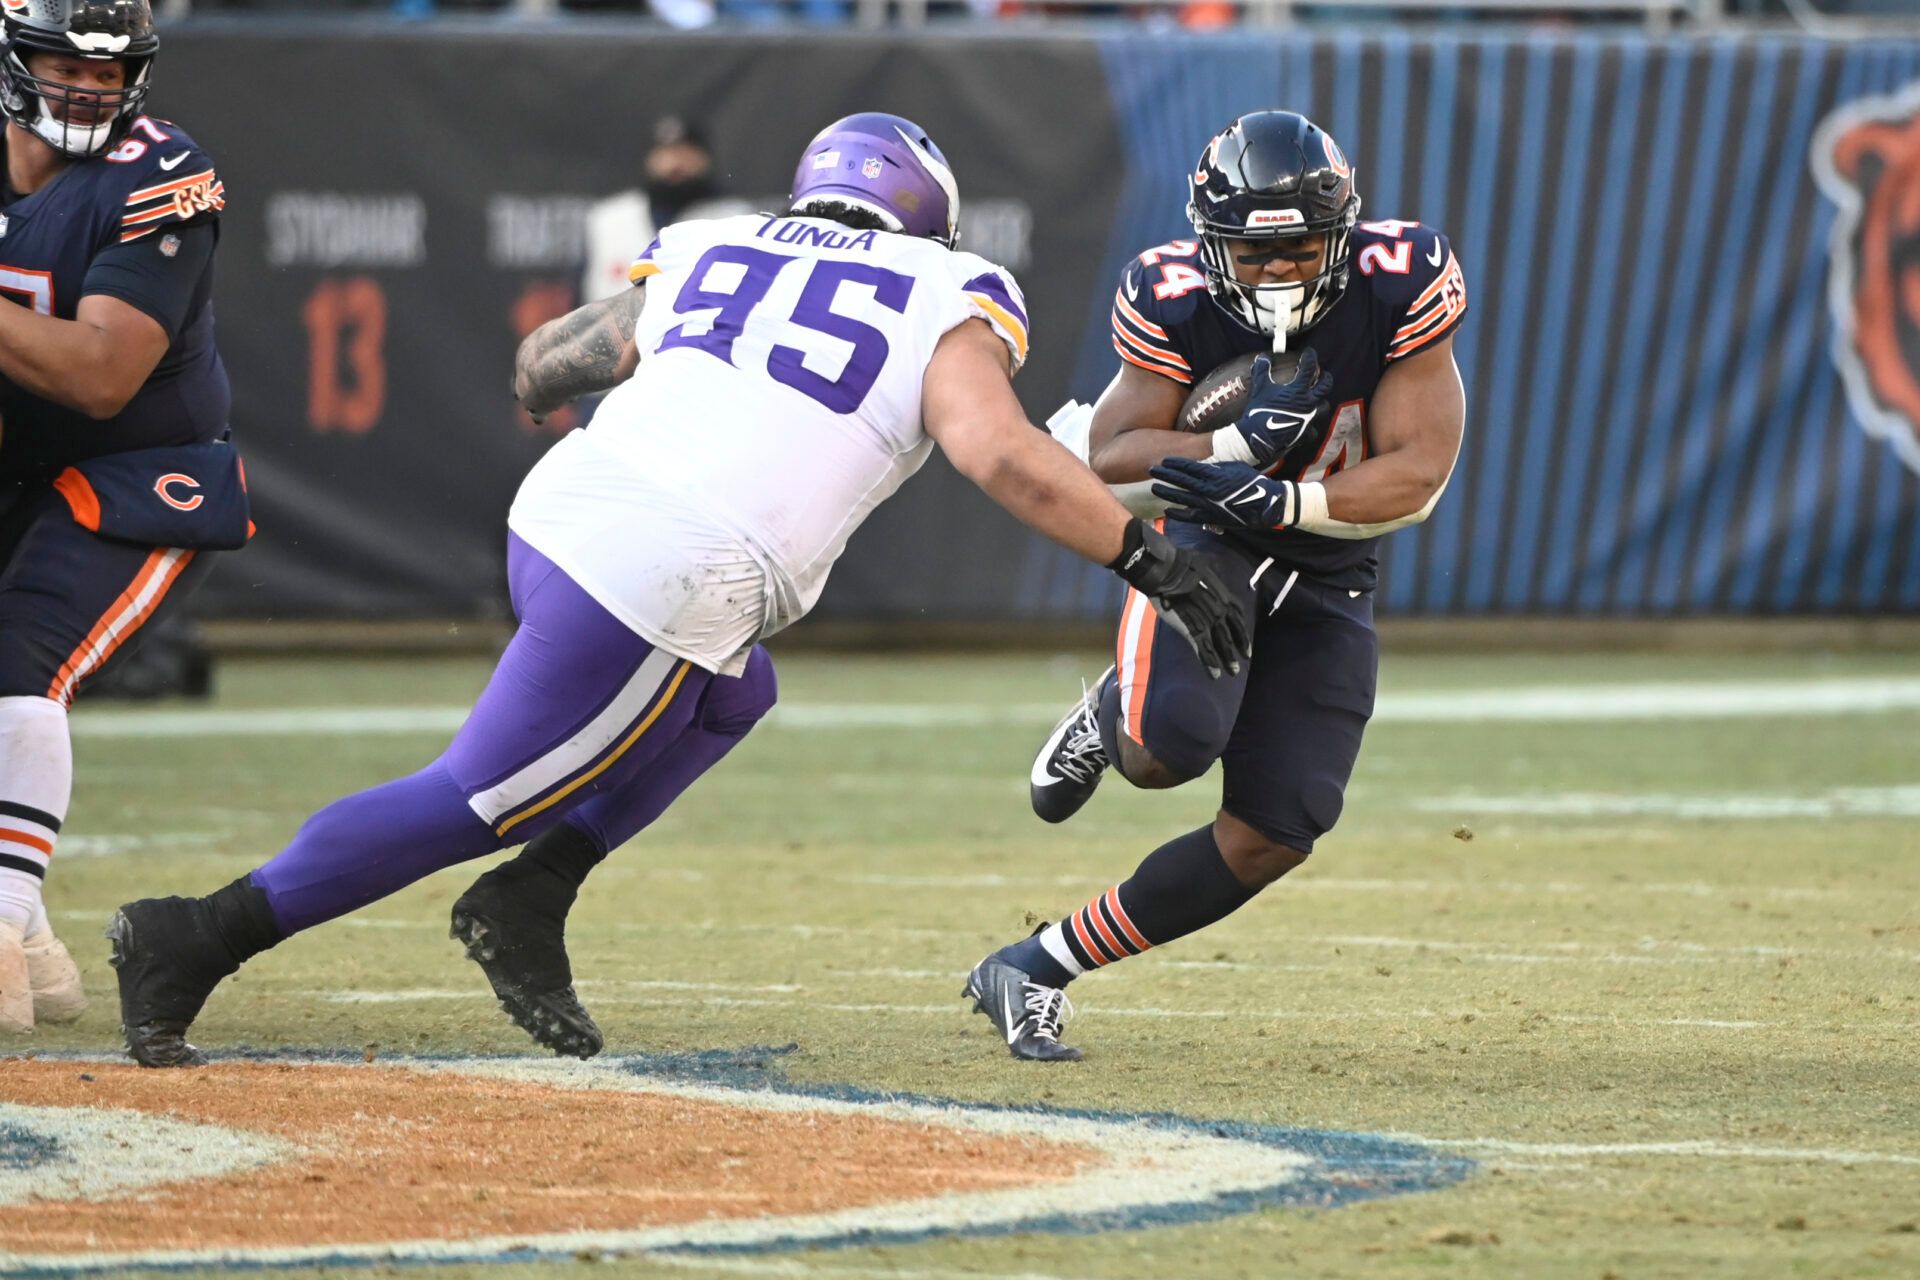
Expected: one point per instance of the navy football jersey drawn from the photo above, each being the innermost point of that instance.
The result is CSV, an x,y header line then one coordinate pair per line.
x,y
138,223
1404,293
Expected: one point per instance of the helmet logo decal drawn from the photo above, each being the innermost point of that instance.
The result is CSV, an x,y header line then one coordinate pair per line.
x,y
826,160
99,41
18,6
870,167
1338,159
1866,157
1276,218
1209,159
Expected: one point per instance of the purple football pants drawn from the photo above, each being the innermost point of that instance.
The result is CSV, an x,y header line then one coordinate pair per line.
x,y
582,722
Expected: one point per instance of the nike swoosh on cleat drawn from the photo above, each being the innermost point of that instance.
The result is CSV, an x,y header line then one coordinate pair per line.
x,y
173,162
1013,1027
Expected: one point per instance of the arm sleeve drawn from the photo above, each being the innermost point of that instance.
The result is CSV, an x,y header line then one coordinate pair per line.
x,y
1439,306
1137,338
159,275
994,297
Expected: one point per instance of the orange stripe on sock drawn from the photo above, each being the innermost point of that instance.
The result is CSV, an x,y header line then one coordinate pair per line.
x,y
1092,912
1091,947
10,836
1123,920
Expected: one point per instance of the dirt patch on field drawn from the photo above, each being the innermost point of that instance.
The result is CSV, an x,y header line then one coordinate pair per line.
x,y
391,1154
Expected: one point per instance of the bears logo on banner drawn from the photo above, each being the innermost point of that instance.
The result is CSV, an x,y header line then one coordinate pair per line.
x,y
1866,156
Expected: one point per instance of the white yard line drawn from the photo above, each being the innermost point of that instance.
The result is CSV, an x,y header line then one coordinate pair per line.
x,y
1838,802
1851,695
1698,1149
954,1007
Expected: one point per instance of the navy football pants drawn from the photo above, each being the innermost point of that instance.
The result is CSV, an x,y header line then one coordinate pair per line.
x,y
71,601
1287,729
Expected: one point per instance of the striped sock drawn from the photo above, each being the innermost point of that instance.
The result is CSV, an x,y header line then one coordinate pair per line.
x,y
1183,886
36,781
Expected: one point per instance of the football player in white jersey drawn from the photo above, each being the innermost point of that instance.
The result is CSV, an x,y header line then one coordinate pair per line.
x,y
775,379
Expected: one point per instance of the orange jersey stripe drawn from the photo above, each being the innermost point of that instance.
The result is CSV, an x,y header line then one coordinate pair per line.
x,y
1125,308
1165,371
168,187
1150,351
216,197
1402,353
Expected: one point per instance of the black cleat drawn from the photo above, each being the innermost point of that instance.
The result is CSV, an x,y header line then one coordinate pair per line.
x,y
1071,760
525,961
1026,1013
168,957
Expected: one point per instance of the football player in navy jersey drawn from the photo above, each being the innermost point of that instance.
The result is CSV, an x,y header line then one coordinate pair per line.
x,y
114,477
1287,502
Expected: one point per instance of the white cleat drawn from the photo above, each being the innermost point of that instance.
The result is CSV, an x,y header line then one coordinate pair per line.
x,y
16,992
54,979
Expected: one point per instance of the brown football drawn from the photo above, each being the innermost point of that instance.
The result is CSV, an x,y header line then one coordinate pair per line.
x,y
1217,399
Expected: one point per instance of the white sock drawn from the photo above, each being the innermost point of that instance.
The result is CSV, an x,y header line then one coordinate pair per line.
x,y
36,782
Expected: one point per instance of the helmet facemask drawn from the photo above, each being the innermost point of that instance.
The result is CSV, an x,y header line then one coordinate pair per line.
x,y
44,107
1282,308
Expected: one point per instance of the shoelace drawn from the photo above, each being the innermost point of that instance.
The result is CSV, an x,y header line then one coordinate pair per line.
x,y
1048,1009
1082,755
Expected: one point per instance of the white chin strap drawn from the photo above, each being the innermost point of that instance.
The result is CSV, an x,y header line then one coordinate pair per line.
x,y
87,140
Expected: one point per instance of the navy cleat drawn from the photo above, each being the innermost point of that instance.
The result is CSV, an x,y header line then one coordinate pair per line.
x,y
1026,1013
1071,760
525,960
168,957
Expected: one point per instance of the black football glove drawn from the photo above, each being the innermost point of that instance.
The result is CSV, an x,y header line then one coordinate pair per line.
x,y
1283,416
1225,493
1188,595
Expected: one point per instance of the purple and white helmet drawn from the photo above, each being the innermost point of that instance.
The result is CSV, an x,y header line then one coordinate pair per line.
x,y
886,165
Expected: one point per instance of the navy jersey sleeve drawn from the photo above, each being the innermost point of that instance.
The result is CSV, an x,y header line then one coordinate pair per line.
x,y
1145,323
1416,275
169,181
159,275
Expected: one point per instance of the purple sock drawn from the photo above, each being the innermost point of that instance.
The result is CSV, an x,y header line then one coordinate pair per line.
x,y
369,845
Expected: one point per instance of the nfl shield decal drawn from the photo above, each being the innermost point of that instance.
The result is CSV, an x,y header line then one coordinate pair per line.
x,y
1866,156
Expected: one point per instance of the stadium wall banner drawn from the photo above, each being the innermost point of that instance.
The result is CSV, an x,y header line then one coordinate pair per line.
x,y
1692,362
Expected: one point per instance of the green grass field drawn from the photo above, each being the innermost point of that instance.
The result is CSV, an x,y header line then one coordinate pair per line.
x,y
1667,993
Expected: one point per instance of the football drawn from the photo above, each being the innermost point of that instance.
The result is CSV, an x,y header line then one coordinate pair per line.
x,y
1217,399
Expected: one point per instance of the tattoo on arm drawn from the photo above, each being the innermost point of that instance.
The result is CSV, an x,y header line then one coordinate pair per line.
x,y
577,354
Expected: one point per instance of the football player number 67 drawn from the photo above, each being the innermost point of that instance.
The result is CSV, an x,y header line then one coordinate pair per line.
x,y
730,280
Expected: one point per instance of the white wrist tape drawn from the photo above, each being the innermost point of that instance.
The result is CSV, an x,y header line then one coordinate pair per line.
x,y
1314,517
1230,446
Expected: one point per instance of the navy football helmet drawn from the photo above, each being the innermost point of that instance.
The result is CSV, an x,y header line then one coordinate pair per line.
x,y
1273,175
94,30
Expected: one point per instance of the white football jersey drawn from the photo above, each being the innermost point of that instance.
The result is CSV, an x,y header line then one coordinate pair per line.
x,y
777,402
